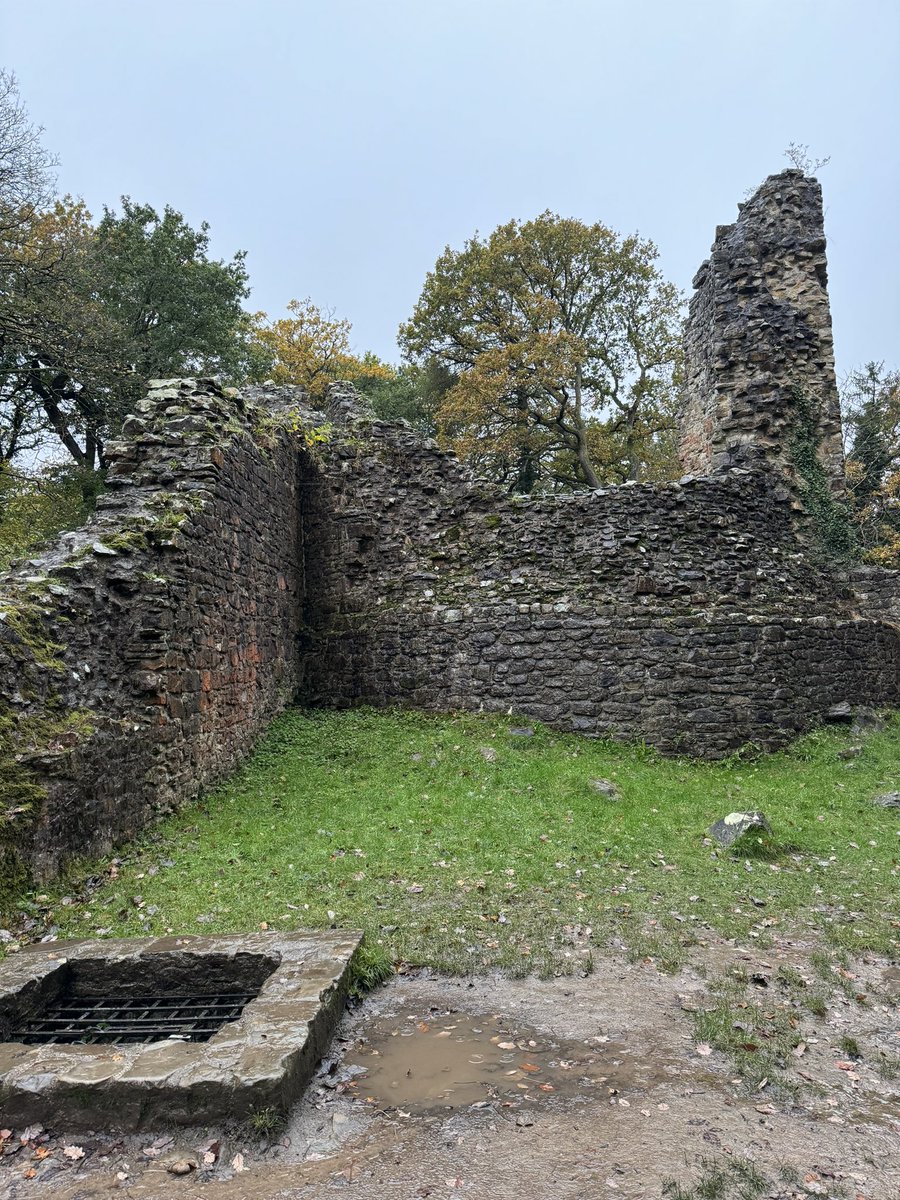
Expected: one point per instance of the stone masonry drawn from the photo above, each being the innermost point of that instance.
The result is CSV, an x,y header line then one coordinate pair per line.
x,y
142,655
689,614
759,332
251,552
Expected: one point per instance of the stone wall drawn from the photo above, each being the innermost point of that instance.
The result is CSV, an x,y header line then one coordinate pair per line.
x,y
759,340
688,615
876,592
237,563
230,570
142,656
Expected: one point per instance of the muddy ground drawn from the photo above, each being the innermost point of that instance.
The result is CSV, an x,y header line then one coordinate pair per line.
x,y
525,1089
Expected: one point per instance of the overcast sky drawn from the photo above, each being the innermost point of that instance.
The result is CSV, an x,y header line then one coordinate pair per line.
x,y
344,143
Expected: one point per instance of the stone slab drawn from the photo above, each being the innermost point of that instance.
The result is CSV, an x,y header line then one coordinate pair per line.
x,y
262,1060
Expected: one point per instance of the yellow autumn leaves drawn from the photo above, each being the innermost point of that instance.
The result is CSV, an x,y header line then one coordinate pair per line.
x,y
311,348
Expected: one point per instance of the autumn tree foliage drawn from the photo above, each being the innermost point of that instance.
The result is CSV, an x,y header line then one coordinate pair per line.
x,y
91,311
562,343
310,347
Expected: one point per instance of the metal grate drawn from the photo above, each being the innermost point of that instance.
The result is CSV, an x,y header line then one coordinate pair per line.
x,y
91,1019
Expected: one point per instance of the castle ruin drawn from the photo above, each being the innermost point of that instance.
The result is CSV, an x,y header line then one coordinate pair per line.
x,y
233,567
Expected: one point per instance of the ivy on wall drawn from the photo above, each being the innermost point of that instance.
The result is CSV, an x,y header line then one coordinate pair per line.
x,y
830,519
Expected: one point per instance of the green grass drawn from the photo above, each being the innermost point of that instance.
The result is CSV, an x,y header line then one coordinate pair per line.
x,y
455,844
758,1033
721,1179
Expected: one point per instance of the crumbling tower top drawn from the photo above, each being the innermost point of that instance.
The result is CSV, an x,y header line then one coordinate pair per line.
x,y
759,355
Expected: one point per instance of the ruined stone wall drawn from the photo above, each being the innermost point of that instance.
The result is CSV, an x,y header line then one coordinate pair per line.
x,y
230,568
143,654
758,346
688,615
876,592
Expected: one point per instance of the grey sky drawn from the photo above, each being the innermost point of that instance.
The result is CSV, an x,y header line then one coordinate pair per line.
x,y
344,143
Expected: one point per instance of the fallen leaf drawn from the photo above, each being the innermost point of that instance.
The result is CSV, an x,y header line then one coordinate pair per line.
x,y
703,1049
530,1067
766,1108
238,1163
506,1045
29,1134
73,1152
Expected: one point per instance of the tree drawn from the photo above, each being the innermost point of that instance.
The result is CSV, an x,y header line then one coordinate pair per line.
x,y
412,393
563,341
870,399
26,168
89,313
310,348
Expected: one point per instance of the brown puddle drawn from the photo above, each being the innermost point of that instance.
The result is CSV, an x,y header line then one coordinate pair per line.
x,y
453,1060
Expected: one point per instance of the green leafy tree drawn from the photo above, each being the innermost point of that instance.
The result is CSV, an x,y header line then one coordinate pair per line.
x,y
562,340
870,400
38,504
412,393
92,311
179,310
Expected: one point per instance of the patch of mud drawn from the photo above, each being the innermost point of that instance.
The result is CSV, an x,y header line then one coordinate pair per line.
x,y
399,1112
424,1062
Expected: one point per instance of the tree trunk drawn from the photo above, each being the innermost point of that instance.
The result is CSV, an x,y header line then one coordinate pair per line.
x,y
581,449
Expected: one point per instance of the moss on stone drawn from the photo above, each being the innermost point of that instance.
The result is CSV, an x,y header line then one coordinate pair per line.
x,y
21,793
126,542
25,619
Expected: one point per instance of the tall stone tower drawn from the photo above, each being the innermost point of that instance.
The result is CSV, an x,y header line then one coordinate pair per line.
x,y
759,369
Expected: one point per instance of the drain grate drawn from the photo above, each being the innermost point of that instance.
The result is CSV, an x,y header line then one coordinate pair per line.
x,y
92,1019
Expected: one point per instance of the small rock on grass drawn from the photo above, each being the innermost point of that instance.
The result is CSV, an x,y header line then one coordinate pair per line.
x,y
606,788
849,752
888,800
736,824
181,1166
867,720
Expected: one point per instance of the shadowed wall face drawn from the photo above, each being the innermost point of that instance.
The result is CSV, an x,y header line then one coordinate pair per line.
x,y
759,355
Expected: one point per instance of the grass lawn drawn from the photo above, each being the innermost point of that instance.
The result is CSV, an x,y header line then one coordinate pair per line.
x,y
454,842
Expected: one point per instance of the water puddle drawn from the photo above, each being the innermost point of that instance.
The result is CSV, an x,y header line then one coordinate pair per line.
x,y
879,1111
420,1063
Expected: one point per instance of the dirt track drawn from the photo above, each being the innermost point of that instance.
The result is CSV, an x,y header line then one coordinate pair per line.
x,y
571,1088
